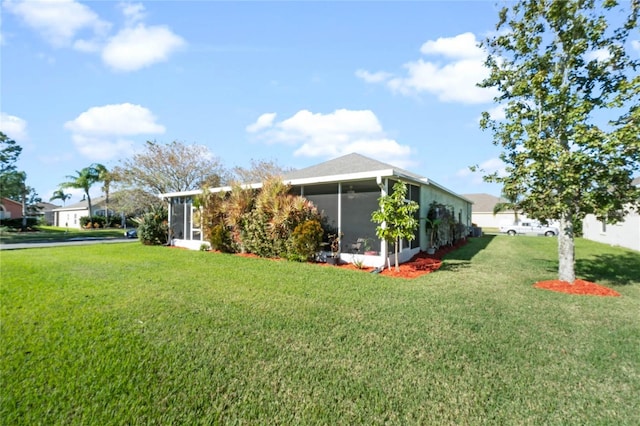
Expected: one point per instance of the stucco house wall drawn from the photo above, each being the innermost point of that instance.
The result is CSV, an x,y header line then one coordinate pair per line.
x,y
624,234
69,216
10,209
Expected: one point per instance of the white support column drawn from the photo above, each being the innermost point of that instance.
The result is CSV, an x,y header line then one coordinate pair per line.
x,y
340,211
169,213
185,209
384,190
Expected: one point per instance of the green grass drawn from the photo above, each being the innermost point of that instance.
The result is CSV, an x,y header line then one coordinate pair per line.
x,y
55,234
130,334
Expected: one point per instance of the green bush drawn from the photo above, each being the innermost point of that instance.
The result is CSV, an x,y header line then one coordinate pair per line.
x,y
92,222
256,237
17,223
221,239
153,226
305,241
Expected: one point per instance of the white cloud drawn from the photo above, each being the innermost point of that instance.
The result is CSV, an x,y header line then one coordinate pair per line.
x,y
330,135
489,166
462,46
58,21
635,44
263,122
14,127
135,48
100,132
67,23
599,55
497,113
133,12
376,77
451,78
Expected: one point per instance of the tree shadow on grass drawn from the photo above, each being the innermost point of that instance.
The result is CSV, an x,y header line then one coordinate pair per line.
x,y
620,269
460,258
469,250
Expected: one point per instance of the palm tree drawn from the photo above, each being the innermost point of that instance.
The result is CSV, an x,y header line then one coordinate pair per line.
x,y
512,202
84,180
106,178
59,194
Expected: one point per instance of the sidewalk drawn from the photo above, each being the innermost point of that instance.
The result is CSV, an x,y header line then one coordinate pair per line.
x,y
74,242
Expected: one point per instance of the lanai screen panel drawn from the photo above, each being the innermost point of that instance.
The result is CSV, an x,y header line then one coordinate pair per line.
x,y
359,201
181,218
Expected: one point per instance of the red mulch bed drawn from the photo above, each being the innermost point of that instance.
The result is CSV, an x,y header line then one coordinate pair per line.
x,y
419,265
578,287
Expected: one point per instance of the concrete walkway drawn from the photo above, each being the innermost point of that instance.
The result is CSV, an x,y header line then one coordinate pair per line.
x,y
75,242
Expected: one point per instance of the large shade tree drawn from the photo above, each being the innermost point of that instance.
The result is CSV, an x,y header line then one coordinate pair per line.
x,y
571,94
173,167
11,180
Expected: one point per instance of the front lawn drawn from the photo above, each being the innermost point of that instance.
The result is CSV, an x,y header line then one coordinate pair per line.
x,y
132,334
47,234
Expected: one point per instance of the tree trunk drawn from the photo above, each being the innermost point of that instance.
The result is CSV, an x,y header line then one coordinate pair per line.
x,y
566,250
396,250
24,209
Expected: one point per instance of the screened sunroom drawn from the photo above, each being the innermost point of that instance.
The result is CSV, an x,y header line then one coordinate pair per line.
x,y
346,192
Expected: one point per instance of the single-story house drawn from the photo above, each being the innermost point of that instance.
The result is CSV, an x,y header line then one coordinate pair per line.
x,y
625,233
346,191
10,209
69,216
482,211
45,211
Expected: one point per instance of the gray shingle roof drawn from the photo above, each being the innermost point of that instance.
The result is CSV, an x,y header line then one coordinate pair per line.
x,y
484,203
84,204
350,163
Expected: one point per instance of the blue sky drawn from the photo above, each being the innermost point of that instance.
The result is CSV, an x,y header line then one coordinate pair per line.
x,y
295,82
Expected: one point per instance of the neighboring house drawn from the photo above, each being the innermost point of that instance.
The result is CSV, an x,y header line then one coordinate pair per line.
x,y
10,209
346,191
625,233
45,210
482,211
69,216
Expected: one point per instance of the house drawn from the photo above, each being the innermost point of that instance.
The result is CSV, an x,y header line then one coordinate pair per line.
x,y
45,211
625,233
346,191
482,211
69,216
10,209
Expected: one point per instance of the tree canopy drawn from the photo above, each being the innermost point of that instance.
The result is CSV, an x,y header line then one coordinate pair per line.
x,y
84,179
11,180
571,98
259,171
173,167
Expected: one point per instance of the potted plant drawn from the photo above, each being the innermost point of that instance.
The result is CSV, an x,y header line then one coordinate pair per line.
x,y
368,243
334,244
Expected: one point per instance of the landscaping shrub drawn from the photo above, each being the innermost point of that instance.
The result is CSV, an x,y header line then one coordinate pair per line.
x,y
220,239
257,239
305,241
92,222
153,226
17,223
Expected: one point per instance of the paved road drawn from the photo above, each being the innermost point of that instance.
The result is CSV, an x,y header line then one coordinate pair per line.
x,y
79,242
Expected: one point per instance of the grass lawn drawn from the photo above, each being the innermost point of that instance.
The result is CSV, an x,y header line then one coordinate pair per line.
x,y
46,234
130,334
